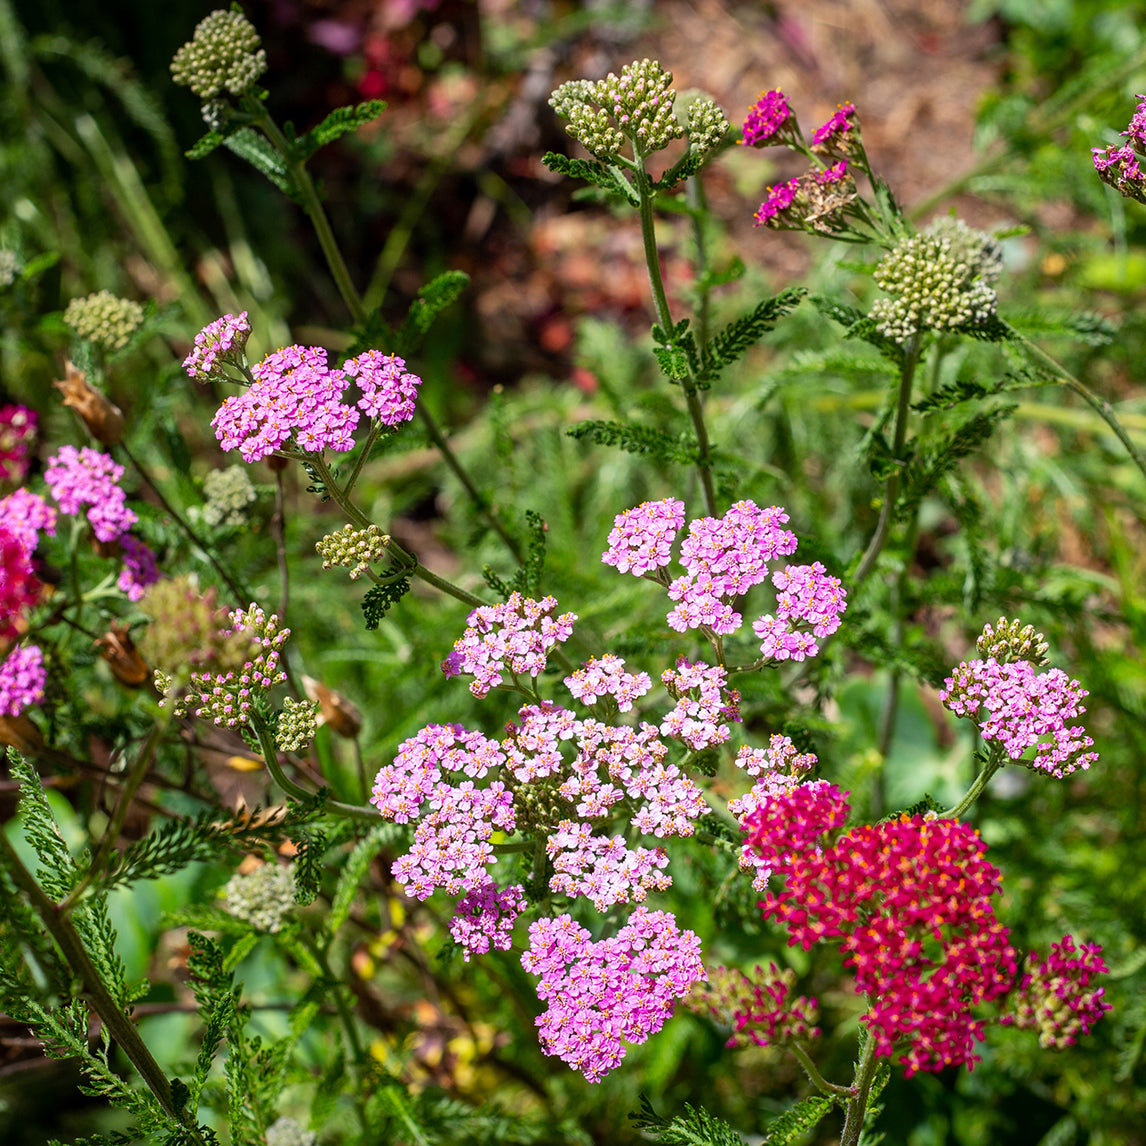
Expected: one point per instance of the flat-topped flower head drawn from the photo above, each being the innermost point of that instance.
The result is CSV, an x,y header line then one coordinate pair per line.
x,y
26,515
17,432
512,637
218,345
223,56
606,676
766,120
841,131
263,897
641,539
22,679
757,1005
1119,166
296,725
296,399
940,279
705,704
776,208
227,496
1013,641
389,390
104,319
634,107
85,477
706,125
354,549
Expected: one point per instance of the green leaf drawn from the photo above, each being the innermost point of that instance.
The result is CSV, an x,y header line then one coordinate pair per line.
x,y
744,332
354,869
795,1123
950,394
248,144
338,123
634,439
438,294
307,865
696,1127
381,599
605,177
205,145
59,873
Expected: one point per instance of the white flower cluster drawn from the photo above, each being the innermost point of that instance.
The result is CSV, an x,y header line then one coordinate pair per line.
x,y
263,898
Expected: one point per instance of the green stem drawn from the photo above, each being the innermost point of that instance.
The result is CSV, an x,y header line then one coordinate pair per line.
x,y
813,1073
887,510
860,1088
664,318
1099,405
121,1028
994,762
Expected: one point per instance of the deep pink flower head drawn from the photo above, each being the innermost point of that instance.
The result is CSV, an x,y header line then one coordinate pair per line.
x,y
780,198
17,432
217,344
1022,708
22,679
27,515
909,901
765,119
87,477
757,1006
840,123
19,588
605,994
389,391
1055,997
295,396
1136,129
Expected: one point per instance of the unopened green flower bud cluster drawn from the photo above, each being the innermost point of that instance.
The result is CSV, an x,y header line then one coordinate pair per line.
x,y
227,493
940,280
637,105
296,725
104,319
224,55
354,548
263,898
1013,641
707,125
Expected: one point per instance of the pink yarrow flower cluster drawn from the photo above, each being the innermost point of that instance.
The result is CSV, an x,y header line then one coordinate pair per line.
x,y
1120,167
780,198
511,637
757,1005
909,901
1021,708
139,567
26,515
842,121
219,343
705,704
485,919
723,558
389,390
606,676
19,586
22,680
17,432
765,119
603,869
85,477
1055,997
607,993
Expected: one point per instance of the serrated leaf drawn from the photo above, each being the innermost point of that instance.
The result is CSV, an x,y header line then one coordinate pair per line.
x,y
248,144
354,869
438,294
795,1123
636,439
341,121
696,1127
592,171
744,332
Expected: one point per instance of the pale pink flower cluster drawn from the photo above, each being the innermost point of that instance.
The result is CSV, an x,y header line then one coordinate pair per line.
x,y
723,558
705,704
533,747
778,770
389,390
1022,708
642,537
451,848
485,917
87,477
607,993
601,868
219,342
606,676
22,680
515,635
225,698
296,396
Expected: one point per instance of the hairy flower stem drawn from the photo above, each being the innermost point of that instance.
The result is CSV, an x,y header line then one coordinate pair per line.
x,y
860,1089
891,493
994,762
312,205
119,1026
664,318
1099,405
813,1072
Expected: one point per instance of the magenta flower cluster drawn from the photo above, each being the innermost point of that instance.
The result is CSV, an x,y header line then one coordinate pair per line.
x,y
85,477
603,869
723,558
22,680
389,390
511,637
26,515
909,901
604,994
17,432
1055,996
219,343
757,1005
1021,708
841,121
765,119
1120,167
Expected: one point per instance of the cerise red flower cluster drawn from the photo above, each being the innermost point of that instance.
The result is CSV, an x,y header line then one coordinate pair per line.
x,y
909,900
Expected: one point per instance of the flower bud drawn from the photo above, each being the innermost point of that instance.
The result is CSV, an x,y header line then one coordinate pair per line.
x,y
223,56
105,319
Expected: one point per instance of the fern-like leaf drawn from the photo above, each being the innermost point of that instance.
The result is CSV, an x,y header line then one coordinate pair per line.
x,y
381,599
635,439
696,1127
59,872
592,171
744,332
439,293
248,144
795,1123
338,123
